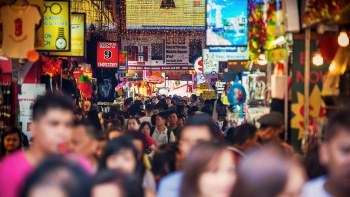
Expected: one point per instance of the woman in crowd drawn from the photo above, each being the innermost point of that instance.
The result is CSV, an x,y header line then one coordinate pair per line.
x,y
57,177
269,172
11,140
133,124
182,120
151,145
211,174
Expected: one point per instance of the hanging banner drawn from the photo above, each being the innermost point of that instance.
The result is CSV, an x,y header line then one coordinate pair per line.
x,y
176,50
77,37
30,93
224,54
56,26
209,65
107,54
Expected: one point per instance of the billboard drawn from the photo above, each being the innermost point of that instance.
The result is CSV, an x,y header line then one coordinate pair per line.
x,y
226,23
165,14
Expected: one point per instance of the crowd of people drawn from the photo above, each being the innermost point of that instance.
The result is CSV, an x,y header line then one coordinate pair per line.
x,y
166,147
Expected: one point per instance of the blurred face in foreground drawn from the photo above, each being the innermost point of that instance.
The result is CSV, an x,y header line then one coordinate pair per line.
x,y
123,161
52,130
295,181
218,180
106,190
192,135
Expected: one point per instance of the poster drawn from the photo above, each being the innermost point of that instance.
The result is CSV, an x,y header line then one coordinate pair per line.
x,y
165,14
257,86
211,79
30,93
77,27
107,54
177,50
227,23
224,54
56,26
209,66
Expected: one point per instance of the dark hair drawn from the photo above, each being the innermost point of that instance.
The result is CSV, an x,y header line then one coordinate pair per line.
x,y
202,120
153,119
132,118
129,185
196,164
312,164
112,129
134,109
163,115
89,129
93,119
172,112
164,159
243,133
121,119
116,123
128,101
229,138
194,97
59,172
263,173
338,121
9,131
149,108
144,124
51,101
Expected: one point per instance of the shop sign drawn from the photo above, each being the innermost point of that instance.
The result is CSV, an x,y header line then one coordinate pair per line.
x,y
56,26
107,54
77,27
277,55
177,50
164,67
223,54
211,79
220,87
123,61
203,86
209,65
209,94
198,65
155,78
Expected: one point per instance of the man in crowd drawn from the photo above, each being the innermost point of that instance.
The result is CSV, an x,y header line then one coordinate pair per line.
x,y
149,113
51,128
173,122
161,134
245,137
84,142
335,156
198,129
193,100
169,102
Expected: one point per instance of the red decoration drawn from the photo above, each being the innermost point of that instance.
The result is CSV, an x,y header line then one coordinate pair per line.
x,y
86,88
51,66
328,47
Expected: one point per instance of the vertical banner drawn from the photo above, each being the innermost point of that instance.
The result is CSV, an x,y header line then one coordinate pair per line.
x,y
77,27
107,54
317,108
123,62
56,26
177,50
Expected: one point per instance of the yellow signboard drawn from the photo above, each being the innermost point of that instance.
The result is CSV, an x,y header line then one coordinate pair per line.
x,y
77,27
276,55
203,86
209,94
56,26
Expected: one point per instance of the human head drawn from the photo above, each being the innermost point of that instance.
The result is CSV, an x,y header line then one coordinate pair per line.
x,y
149,109
121,120
245,136
52,122
84,139
114,123
114,132
128,102
193,98
133,124
198,128
161,119
134,110
153,119
211,174
156,110
139,142
168,101
182,120
102,143
272,125
79,114
11,140
269,172
172,118
145,128
58,177
120,154
111,183
166,159
335,151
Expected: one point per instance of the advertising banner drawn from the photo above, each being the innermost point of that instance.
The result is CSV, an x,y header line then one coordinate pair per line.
x,y
228,53
209,65
77,27
227,23
165,67
177,50
56,26
107,54
123,62
30,93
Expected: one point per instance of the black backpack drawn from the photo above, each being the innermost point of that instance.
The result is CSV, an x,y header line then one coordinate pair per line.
x,y
168,133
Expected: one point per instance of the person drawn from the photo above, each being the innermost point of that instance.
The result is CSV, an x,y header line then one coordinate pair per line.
x,y
229,136
102,143
173,123
51,129
166,160
127,103
271,127
151,145
149,113
193,100
199,128
57,176
312,163
84,142
79,114
133,111
133,124
334,154
268,172
11,141
170,103
114,123
111,183
245,137
114,132
121,120
181,121
161,133
212,174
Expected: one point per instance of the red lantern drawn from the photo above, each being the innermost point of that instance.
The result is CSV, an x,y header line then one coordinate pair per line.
x,y
328,47
86,89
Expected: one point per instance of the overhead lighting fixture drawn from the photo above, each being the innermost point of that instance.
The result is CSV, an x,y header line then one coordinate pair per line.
x,y
317,59
343,39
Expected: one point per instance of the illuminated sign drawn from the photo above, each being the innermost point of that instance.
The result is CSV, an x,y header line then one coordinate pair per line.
x,y
77,37
56,26
107,54
165,14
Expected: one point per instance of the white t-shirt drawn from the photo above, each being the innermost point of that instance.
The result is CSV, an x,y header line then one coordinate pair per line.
x,y
18,23
162,137
146,119
315,187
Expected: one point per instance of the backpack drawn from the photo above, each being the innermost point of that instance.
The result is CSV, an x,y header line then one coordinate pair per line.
x,y
168,133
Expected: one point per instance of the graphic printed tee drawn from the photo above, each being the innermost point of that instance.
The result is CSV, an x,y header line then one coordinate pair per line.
x,y
18,23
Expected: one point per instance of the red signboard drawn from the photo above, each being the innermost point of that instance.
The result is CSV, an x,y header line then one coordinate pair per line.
x,y
107,55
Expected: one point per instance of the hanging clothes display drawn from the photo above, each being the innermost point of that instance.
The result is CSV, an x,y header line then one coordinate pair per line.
x,y
18,24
